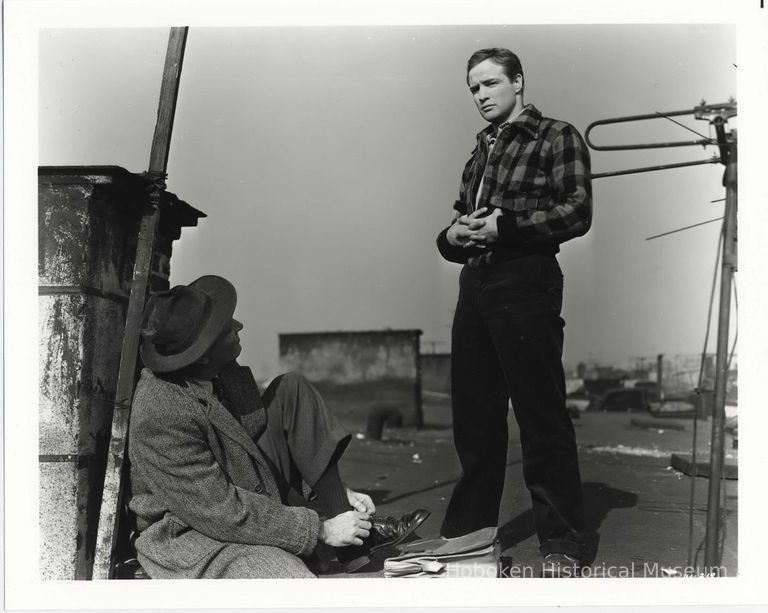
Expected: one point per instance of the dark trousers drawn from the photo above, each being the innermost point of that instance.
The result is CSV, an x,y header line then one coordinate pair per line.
x,y
507,345
302,438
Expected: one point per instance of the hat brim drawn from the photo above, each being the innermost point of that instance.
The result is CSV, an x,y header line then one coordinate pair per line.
x,y
223,298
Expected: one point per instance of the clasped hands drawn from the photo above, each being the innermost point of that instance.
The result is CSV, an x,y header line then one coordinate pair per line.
x,y
350,527
474,230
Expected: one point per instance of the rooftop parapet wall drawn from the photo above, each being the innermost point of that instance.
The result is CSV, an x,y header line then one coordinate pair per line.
x,y
436,372
350,356
360,358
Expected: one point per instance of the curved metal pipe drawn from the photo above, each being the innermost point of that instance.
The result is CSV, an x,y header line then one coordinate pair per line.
x,y
631,171
703,111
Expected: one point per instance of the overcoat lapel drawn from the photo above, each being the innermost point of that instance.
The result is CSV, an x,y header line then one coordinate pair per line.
x,y
227,424
223,421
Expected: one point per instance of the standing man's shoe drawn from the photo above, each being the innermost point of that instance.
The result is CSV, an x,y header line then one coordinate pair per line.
x,y
385,532
560,566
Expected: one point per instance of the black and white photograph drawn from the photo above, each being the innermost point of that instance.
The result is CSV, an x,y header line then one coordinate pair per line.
x,y
336,298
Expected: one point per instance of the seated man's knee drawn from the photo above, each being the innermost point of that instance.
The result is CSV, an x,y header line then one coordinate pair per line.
x,y
294,378
285,379
294,381
290,384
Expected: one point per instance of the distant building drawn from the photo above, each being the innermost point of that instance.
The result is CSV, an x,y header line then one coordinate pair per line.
x,y
377,367
677,373
436,372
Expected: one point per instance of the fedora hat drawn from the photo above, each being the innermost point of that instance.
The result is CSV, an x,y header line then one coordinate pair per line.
x,y
182,323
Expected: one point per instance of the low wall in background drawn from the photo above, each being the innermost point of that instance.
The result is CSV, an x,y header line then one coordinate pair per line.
x,y
378,365
436,372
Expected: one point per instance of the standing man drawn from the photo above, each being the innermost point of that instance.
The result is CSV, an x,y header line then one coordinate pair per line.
x,y
525,190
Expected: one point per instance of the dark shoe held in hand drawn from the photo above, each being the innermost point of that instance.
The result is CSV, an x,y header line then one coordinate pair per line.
x,y
385,532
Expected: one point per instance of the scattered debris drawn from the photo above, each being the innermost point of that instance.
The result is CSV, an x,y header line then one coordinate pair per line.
x,y
678,474
653,424
435,394
683,463
627,450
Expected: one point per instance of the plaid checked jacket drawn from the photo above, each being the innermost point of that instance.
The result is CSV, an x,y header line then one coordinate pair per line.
x,y
538,173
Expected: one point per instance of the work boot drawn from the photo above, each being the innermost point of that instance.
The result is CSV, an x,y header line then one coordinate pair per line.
x,y
385,532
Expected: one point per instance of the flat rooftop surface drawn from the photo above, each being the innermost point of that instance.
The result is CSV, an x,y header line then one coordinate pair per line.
x,y
637,503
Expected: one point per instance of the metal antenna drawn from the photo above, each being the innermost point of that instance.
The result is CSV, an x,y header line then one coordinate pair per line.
x,y
709,138
717,115
711,112
650,238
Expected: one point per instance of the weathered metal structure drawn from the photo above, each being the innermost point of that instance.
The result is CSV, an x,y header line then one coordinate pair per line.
x,y
375,362
114,483
717,115
89,219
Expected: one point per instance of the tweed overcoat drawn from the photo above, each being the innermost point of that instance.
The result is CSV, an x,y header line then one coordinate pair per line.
x,y
200,484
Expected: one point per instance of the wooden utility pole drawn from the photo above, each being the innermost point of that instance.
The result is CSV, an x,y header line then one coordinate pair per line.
x,y
158,163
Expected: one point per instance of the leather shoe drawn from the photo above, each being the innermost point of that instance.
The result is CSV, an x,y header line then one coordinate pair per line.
x,y
385,532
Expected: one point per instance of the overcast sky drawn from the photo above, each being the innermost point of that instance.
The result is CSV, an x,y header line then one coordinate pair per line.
x,y
328,159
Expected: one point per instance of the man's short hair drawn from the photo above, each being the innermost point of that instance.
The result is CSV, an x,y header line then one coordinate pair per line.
x,y
503,57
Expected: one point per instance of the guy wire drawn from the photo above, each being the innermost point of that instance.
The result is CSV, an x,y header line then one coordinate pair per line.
x,y
691,557
711,140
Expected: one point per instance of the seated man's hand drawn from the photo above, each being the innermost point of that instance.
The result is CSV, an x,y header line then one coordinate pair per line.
x,y
349,528
361,502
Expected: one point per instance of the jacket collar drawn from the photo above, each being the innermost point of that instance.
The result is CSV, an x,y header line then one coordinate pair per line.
x,y
223,420
527,121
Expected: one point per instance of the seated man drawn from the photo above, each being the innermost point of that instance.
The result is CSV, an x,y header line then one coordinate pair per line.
x,y
212,469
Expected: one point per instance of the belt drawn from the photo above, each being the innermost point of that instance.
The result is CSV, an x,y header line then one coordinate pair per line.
x,y
496,256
